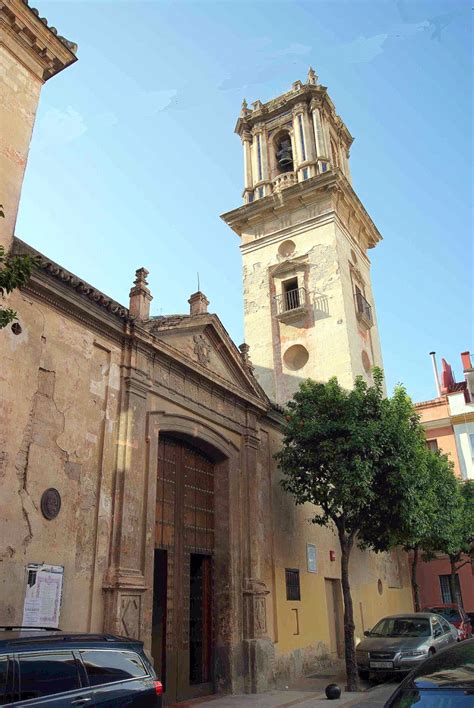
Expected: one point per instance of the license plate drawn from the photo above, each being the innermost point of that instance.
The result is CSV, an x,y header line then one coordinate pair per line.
x,y
381,664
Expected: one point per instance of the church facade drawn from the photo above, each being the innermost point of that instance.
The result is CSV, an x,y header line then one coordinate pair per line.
x,y
137,452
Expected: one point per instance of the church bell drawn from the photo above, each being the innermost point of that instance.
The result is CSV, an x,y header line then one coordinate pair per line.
x,y
285,155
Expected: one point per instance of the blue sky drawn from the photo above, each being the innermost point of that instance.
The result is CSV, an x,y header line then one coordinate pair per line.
x,y
134,157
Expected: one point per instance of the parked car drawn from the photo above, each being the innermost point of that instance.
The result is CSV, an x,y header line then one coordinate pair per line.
x,y
455,615
401,642
54,668
446,679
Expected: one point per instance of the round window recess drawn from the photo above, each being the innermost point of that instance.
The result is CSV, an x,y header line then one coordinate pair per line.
x,y
366,362
296,357
353,256
379,586
286,249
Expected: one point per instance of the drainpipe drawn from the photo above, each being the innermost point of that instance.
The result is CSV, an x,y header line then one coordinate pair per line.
x,y
435,372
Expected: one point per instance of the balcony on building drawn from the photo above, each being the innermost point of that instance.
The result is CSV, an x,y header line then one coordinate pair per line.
x,y
363,309
293,301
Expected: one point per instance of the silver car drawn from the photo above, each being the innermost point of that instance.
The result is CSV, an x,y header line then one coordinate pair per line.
x,y
401,642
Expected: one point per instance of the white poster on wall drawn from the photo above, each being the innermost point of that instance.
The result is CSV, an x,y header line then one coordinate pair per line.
x,y
44,584
311,558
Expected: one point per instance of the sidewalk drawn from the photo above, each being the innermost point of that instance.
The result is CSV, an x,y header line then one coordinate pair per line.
x,y
306,692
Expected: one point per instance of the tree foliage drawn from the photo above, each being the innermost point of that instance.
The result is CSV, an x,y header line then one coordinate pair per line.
x,y
355,455
15,271
453,532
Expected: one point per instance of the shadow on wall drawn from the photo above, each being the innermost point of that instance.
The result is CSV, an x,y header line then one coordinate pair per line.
x,y
321,307
287,384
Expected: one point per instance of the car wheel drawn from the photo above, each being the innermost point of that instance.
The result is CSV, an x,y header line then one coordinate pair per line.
x,y
432,651
364,675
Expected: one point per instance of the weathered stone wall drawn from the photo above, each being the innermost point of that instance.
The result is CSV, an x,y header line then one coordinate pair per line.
x,y
59,411
323,330
19,95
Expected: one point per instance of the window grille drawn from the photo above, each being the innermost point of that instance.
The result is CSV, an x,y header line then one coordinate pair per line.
x,y
292,577
446,590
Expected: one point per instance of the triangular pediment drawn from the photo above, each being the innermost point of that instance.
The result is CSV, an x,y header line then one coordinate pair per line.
x,y
204,344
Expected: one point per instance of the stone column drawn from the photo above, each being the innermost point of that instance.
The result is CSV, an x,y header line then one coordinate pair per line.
x,y
258,647
247,143
124,583
322,148
299,137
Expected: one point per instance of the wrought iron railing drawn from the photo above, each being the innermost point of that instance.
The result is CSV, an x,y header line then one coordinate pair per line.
x,y
363,307
291,300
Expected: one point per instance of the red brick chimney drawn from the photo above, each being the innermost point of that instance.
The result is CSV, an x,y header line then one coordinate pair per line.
x,y
466,361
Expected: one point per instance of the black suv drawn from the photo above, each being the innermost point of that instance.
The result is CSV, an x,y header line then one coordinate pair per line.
x,y
47,667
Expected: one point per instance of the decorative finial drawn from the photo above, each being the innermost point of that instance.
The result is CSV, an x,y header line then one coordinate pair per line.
x,y
245,108
140,277
312,76
140,296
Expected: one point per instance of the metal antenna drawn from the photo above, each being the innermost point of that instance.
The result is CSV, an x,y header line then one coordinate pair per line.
x,y
199,289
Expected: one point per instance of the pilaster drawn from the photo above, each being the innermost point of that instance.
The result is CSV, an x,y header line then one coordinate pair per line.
x,y
258,647
124,583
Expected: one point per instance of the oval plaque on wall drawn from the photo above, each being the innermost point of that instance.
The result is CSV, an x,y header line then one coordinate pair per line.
x,y
50,503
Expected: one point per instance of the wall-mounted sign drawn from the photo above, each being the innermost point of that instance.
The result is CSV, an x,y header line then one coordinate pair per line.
x,y
44,584
311,558
50,503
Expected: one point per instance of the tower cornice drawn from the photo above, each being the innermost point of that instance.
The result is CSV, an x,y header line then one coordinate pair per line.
x,y
32,41
306,193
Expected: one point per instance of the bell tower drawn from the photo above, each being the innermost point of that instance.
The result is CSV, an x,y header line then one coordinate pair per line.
x,y
304,235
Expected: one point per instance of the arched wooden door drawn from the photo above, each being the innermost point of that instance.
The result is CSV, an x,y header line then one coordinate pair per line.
x,y
182,593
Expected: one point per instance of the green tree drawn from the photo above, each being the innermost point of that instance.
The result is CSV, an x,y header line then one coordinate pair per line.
x,y
15,271
453,532
352,454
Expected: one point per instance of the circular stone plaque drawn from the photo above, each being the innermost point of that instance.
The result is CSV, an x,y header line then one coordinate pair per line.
x,y
50,503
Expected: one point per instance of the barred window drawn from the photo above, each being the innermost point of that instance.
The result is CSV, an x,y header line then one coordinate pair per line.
x,y
446,590
292,577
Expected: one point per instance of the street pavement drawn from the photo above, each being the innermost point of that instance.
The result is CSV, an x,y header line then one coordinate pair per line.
x,y
307,692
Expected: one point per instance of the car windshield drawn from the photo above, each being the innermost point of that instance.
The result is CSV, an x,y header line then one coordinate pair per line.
x,y
402,627
449,613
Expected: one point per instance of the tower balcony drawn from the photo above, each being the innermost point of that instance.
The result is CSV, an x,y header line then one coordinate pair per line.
x,y
291,304
364,310
283,180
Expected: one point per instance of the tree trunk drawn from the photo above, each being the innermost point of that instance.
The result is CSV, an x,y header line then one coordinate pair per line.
x,y
414,583
452,579
349,643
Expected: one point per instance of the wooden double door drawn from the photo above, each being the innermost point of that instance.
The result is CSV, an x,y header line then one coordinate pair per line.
x,y
182,593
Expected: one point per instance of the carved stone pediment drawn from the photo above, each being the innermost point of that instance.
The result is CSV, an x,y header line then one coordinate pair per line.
x,y
202,342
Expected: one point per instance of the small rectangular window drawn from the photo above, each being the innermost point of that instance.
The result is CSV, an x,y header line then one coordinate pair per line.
x,y
305,173
109,666
432,445
446,590
292,577
47,674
